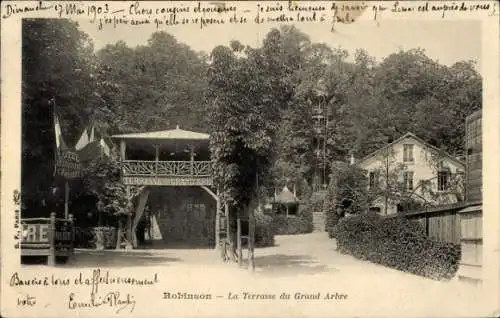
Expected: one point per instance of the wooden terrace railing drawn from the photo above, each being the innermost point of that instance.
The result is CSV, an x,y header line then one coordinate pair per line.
x,y
167,172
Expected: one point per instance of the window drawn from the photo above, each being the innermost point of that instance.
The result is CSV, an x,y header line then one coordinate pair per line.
x,y
408,153
375,209
443,180
408,180
372,179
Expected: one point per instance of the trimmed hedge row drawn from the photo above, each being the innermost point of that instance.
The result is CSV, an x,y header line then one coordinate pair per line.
x,y
264,230
397,243
292,224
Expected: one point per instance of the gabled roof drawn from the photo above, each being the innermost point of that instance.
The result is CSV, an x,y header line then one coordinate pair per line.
x,y
418,139
171,134
286,196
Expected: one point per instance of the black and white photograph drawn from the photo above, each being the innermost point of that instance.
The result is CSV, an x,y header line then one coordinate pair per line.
x,y
250,159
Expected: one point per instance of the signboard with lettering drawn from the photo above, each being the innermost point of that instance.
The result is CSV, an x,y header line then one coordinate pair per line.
x,y
39,236
35,233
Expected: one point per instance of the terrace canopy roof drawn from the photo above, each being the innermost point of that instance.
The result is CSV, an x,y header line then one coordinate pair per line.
x,y
165,138
172,134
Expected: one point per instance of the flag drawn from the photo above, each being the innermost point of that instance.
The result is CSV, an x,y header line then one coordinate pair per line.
x,y
67,163
60,144
83,141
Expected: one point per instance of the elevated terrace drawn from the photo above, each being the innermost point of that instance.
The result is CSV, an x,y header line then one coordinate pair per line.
x,y
173,157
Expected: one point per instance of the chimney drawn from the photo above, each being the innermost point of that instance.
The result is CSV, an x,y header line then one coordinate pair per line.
x,y
294,191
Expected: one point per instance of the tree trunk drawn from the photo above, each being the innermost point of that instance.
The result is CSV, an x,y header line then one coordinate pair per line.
x,y
251,239
238,238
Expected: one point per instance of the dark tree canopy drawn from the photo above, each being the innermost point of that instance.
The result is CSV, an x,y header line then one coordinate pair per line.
x,y
256,102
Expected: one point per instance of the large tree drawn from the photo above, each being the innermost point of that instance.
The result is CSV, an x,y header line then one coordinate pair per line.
x,y
60,75
162,82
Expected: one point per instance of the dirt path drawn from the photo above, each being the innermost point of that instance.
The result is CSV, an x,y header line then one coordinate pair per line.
x,y
302,266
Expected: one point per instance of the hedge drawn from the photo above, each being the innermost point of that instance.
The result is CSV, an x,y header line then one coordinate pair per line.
x,y
294,224
264,230
396,243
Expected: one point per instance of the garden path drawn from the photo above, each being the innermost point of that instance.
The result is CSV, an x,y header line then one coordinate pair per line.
x,y
298,265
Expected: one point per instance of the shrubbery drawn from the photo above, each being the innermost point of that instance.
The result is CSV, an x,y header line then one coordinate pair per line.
x,y
397,243
294,224
346,193
264,230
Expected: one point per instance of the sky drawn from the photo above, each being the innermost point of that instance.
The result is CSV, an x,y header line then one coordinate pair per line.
x,y
447,41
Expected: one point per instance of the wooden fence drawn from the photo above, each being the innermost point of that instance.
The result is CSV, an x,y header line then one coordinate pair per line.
x,y
51,237
462,224
441,223
471,219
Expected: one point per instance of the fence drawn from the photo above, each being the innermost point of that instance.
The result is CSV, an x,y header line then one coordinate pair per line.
x,y
441,223
459,223
51,237
471,219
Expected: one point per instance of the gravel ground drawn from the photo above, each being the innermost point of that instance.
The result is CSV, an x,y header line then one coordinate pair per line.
x,y
306,267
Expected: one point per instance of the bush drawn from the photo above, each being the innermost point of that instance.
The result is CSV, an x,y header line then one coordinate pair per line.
x,y
346,193
264,230
294,224
397,243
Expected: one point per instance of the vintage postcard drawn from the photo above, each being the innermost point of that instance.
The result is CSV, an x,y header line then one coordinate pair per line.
x,y
250,159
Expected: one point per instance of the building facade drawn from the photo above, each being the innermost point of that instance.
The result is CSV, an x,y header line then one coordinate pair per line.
x,y
474,147
173,169
410,173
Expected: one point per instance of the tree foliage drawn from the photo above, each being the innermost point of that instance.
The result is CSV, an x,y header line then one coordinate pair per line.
x,y
162,82
58,71
245,97
256,102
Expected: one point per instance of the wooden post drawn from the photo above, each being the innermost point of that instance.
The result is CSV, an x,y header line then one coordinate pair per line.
x,y
157,157
51,258
251,239
128,226
143,198
123,148
238,239
192,160
72,229
119,234
230,237
66,199
217,222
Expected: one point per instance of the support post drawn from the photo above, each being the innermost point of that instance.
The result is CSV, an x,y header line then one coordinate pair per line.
x,y
217,214
119,234
191,149
72,229
123,149
230,234
138,214
128,225
251,239
238,239
51,258
157,157
66,199
217,222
